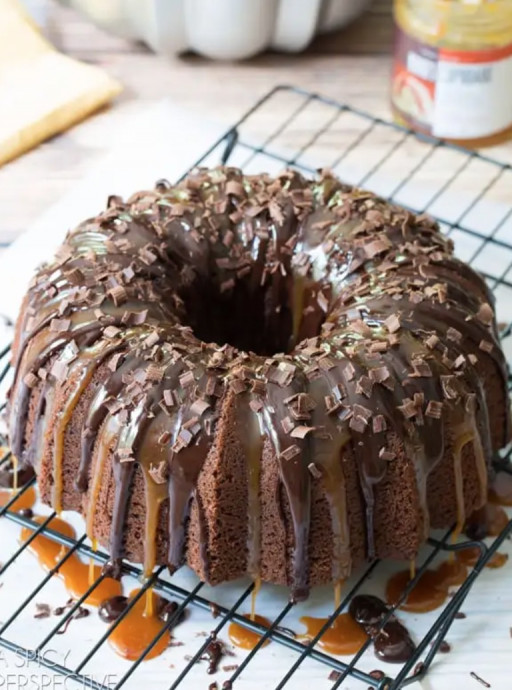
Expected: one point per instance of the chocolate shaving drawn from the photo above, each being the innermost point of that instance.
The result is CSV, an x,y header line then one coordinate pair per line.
x,y
434,409
199,407
486,346
154,372
449,389
379,424
361,411
358,423
349,371
408,408
485,314
454,334
59,370
30,380
60,325
42,611
287,425
111,331
235,188
187,379
314,470
364,386
159,473
114,361
118,295
290,452
301,431
386,454
392,323
237,386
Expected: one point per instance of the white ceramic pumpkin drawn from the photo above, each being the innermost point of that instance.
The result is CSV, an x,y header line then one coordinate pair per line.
x,y
221,29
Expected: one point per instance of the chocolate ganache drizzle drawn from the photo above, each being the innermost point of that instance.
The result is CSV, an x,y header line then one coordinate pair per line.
x,y
317,315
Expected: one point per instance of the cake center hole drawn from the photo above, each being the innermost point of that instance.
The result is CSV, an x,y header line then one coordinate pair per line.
x,y
264,320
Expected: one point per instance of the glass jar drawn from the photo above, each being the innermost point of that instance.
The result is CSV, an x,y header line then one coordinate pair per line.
x,y
452,71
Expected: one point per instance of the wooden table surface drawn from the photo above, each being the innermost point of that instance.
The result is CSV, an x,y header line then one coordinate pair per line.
x,y
351,66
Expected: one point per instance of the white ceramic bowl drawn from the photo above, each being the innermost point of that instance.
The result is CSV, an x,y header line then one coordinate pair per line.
x,y
221,29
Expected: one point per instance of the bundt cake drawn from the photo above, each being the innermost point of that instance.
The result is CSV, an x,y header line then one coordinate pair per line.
x,y
276,377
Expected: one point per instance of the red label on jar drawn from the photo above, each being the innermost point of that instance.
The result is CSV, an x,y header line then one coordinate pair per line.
x,y
449,93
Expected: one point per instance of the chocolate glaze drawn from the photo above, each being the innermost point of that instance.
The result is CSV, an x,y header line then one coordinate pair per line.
x,y
213,654
393,644
367,610
391,641
112,608
168,610
361,323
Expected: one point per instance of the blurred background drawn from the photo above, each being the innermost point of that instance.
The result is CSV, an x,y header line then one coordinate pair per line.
x,y
97,61
350,64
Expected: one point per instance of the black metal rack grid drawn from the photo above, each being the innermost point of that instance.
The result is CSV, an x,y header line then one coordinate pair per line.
x,y
325,133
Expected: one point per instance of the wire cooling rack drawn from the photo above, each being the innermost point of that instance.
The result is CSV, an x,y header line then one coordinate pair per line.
x,y
469,194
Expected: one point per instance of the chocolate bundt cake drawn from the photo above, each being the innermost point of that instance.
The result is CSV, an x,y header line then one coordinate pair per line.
x,y
268,376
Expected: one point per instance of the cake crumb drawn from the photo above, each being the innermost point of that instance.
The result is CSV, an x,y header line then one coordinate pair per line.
x,y
42,611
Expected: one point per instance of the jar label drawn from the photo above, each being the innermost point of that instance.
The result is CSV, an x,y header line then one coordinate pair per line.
x,y
452,93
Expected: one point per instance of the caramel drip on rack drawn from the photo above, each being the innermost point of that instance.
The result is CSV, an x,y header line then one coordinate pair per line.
x,y
470,555
24,500
149,609
60,431
344,636
73,571
139,627
243,637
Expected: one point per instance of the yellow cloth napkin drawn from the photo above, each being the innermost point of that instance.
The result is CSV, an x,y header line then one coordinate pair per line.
x,y
42,92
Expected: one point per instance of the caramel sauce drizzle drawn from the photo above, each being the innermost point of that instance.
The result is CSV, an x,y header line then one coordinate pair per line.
x,y
105,443
74,572
23,500
243,637
140,625
337,593
344,636
254,594
433,587
137,629
461,440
